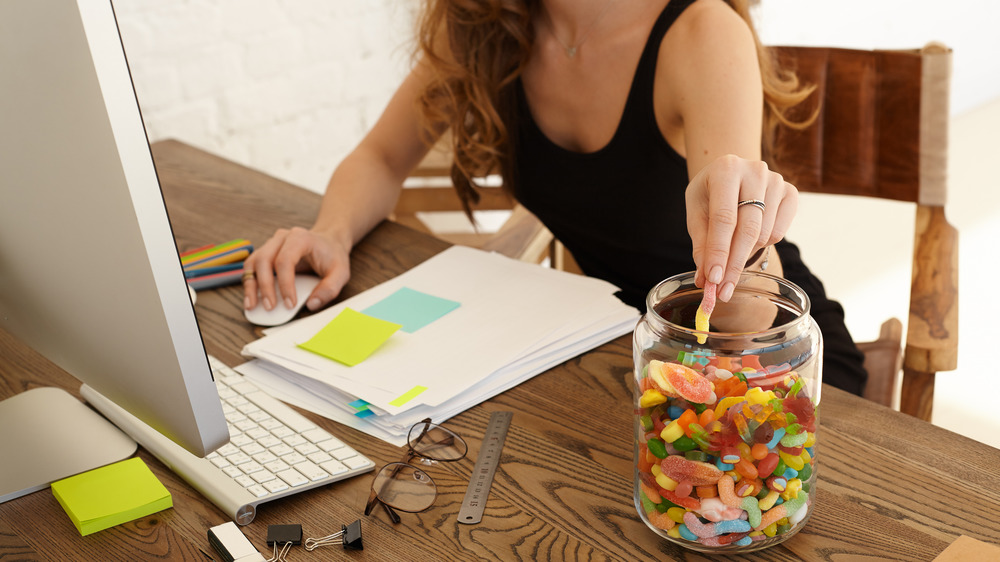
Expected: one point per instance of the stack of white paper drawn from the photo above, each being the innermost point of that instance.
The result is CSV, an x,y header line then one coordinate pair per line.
x,y
513,321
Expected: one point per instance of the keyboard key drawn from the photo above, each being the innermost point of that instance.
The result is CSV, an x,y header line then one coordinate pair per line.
x,y
319,456
295,440
317,435
257,490
239,458
343,453
334,467
275,486
311,471
307,449
281,449
262,476
357,462
288,416
244,480
293,477
232,471
251,467
276,466
293,458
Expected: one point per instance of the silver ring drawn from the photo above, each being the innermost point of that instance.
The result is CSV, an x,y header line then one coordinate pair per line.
x,y
755,202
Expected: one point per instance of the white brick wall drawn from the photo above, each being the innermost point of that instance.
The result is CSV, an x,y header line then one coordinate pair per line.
x,y
284,86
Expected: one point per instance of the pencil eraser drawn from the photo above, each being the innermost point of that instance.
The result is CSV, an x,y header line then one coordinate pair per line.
x,y
232,545
281,534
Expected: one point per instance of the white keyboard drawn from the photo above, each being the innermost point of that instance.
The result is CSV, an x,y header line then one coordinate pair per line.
x,y
273,451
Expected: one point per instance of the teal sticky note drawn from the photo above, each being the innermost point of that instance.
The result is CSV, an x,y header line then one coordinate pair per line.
x,y
364,413
350,337
411,309
358,404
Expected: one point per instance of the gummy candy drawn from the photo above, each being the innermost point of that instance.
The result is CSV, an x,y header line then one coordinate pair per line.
x,y
698,473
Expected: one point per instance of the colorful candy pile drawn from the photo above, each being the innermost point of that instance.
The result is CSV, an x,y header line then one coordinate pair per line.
x,y
724,454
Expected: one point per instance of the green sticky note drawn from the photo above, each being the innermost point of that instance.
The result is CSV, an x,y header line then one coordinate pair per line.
x,y
111,495
350,337
412,309
408,395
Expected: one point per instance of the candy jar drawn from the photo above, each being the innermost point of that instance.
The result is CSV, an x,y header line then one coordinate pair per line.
x,y
725,430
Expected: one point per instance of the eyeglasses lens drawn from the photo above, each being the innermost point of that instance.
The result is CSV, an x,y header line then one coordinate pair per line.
x,y
436,443
405,487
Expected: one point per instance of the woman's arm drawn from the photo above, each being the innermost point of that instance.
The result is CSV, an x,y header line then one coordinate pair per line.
x,y
709,84
361,193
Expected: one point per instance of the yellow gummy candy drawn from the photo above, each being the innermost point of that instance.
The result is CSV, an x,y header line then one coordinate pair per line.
x,y
701,324
651,398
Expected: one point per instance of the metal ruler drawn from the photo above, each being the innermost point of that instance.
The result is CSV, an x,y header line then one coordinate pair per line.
x,y
486,465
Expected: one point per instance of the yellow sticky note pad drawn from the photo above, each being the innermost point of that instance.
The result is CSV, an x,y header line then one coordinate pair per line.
x,y
350,337
111,495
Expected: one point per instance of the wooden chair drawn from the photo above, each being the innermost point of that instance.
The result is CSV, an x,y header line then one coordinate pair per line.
x,y
522,236
882,132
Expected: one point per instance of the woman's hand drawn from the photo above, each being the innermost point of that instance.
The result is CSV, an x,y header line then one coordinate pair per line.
x,y
287,252
725,234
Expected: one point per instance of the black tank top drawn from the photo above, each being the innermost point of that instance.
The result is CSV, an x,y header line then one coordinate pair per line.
x,y
619,210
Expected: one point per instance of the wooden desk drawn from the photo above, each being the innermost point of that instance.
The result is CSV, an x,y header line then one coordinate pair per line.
x,y
890,485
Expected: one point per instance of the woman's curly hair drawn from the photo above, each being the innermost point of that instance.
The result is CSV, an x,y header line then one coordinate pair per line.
x,y
476,51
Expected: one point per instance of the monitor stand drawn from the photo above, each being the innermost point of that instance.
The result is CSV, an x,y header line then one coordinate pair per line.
x,y
46,435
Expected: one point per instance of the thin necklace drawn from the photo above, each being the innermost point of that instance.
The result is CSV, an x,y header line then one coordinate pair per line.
x,y
572,49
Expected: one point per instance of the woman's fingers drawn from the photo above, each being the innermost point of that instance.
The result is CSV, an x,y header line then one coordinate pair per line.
x,y
735,208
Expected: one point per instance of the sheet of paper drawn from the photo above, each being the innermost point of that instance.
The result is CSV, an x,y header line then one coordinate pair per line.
x,y
508,310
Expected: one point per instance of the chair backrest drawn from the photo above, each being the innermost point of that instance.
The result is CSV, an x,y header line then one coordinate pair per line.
x,y
882,131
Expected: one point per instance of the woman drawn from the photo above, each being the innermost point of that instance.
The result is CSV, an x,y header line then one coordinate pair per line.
x,y
632,129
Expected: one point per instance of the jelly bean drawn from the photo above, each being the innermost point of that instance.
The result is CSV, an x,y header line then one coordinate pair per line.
x,y
722,374
647,506
759,450
675,532
701,530
727,492
806,472
672,432
651,397
790,473
794,461
784,528
752,508
706,417
686,533
779,433
657,448
771,516
747,469
674,411
647,423
810,440
745,541
677,514
768,501
744,450
771,530
795,440
698,473
806,457
684,444
666,482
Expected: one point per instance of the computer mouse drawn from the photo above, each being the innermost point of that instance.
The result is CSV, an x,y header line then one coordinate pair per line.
x,y
280,314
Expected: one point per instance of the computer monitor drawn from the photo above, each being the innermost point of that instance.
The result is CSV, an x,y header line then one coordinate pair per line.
x,y
89,272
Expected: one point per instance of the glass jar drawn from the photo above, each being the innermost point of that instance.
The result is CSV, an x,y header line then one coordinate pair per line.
x,y
725,430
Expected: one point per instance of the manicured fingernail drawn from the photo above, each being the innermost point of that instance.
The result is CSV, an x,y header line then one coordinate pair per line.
x,y
267,304
313,304
715,276
246,303
289,303
727,292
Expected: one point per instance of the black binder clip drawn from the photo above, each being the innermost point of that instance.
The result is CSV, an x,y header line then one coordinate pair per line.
x,y
349,537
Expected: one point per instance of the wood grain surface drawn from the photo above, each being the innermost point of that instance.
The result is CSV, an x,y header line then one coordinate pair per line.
x,y
890,486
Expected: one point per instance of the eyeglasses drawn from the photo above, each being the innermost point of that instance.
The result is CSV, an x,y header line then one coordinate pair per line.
x,y
403,487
